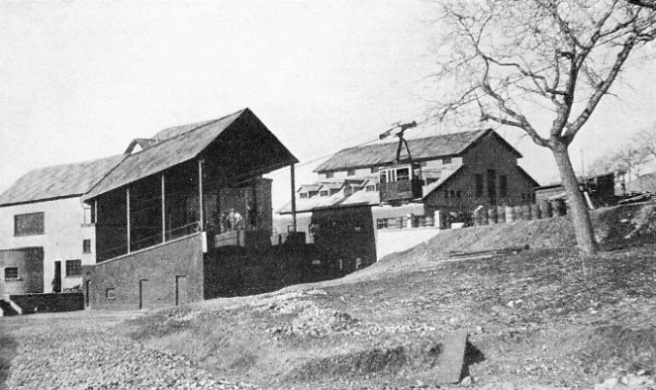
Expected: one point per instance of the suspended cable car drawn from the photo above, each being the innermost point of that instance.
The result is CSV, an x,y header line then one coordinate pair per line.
x,y
402,181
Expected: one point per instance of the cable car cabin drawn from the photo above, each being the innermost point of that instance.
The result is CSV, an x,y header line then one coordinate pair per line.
x,y
400,183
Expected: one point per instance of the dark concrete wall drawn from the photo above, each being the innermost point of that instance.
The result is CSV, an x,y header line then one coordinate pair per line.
x,y
149,276
29,262
347,234
47,303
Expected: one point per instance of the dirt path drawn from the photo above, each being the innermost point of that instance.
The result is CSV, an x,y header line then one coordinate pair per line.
x,y
72,351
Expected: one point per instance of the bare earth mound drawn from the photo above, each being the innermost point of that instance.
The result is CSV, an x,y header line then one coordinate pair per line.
x,y
536,317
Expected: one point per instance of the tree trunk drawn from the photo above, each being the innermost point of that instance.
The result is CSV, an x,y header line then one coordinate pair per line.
x,y
580,216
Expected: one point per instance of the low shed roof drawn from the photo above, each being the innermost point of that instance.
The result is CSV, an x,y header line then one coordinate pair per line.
x,y
59,181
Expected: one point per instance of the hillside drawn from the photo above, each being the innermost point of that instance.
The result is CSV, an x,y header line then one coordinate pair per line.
x,y
537,317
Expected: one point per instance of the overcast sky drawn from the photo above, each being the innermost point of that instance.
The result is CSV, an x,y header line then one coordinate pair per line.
x,y
78,80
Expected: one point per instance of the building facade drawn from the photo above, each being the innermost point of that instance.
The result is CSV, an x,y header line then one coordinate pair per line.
x,y
46,232
447,178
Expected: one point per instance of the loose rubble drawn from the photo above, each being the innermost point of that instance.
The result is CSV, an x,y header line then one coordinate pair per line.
x,y
79,355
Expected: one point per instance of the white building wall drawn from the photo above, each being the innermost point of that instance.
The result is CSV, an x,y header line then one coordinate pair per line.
x,y
64,230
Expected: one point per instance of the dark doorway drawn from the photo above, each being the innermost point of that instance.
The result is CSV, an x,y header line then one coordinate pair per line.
x,y
491,186
143,283
56,282
87,288
181,293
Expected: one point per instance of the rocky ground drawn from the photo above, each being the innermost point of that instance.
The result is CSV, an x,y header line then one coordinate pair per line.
x,y
538,319
74,351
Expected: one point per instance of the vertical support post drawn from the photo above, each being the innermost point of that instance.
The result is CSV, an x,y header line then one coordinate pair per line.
x,y
95,211
200,195
163,209
127,202
293,174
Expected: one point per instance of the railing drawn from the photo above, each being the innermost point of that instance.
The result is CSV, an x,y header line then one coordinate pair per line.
x,y
142,243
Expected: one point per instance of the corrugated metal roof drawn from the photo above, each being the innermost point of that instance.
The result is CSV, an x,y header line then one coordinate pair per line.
x,y
58,181
384,154
179,144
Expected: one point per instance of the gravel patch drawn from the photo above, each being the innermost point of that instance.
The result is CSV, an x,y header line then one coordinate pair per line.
x,y
78,354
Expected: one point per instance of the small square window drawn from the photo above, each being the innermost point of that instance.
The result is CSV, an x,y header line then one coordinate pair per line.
x,y
330,174
86,246
73,267
374,169
447,160
303,195
350,172
382,223
109,293
11,273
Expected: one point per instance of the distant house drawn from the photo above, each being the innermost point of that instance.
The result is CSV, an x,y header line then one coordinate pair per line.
x,y
46,233
449,174
175,217
599,190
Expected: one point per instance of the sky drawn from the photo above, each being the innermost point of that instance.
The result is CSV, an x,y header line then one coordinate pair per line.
x,y
79,80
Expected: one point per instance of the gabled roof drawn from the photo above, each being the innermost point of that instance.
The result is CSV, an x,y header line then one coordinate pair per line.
x,y
445,175
426,148
59,181
183,143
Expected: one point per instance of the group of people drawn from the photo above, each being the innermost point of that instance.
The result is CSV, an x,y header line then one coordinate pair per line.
x,y
231,221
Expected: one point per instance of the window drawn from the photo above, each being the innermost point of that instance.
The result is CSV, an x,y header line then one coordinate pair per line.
x,y
430,180
479,185
447,160
109,293
382,223
303,195
523,196
11,273
402,174
446,194
86,246
28,224
458,194
452,194
503,186
373,169
330,175
383,177
350,172
73,267
323,193
370,188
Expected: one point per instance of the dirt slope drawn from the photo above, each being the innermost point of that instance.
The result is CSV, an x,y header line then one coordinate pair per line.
x,y
538,318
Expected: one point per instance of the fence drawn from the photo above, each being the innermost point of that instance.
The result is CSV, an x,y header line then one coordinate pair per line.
x,y
509,214
480,216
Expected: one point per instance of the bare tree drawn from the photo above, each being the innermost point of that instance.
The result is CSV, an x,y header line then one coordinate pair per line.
x,y
541,66
643,3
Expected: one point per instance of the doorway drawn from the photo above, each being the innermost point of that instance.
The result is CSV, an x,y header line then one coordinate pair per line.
x,y
143,284
181,290
56,282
